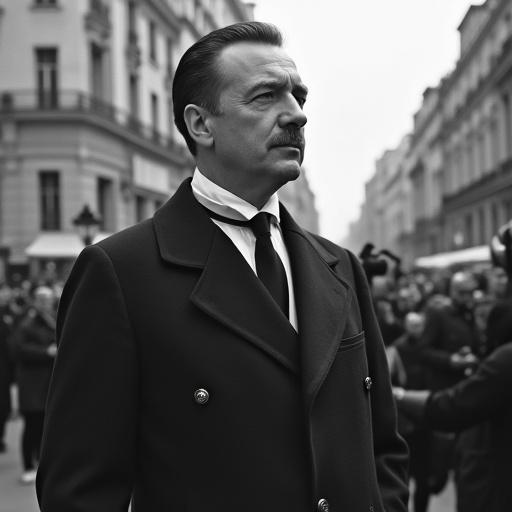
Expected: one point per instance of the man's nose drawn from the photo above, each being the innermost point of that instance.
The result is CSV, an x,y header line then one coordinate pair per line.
x,y
292,113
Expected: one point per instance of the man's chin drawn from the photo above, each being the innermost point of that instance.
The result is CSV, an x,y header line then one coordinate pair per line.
x,y
290,172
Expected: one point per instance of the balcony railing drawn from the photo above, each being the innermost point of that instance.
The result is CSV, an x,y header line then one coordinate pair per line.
x,y
76,102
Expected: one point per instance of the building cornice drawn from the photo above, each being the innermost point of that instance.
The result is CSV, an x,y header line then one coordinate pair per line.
x,y
463,62
487,186
469,13
172,154
79,107
238,8
427,122
193,29
501,69
166,13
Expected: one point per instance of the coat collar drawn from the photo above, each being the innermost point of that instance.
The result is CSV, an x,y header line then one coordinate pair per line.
x,y
229,291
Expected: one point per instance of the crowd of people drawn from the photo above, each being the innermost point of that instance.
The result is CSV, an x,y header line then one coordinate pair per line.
x,y
450,360
443,338
27,352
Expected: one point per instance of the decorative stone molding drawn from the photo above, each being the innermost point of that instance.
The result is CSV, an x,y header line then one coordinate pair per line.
x,y
97,20
133,52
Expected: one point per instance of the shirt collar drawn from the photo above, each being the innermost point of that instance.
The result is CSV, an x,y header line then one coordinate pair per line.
x,y
227,204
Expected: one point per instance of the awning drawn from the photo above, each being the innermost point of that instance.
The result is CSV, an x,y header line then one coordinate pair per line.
x,y
478,254
58,245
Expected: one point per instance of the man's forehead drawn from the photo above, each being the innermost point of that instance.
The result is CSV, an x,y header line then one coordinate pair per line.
x,y
252,62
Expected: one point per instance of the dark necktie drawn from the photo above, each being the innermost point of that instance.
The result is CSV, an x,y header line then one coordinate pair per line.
x,y
269,267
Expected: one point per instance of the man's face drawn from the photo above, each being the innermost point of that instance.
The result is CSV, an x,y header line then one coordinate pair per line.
x,y
44,301
461,290
499,280
414,324
259,135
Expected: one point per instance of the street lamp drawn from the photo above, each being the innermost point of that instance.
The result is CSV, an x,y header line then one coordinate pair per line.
x,y
87,225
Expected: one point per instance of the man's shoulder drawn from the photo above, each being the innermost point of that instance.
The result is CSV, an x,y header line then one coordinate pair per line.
x,y
134,238
326,245
342,258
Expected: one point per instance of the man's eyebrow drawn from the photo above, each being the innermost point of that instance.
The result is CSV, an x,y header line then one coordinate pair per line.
x,y
275,83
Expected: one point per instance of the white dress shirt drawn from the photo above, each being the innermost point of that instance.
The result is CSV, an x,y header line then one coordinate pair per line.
x,y
227,204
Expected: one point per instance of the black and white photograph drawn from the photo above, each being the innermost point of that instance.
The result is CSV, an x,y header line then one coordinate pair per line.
x,y
255,256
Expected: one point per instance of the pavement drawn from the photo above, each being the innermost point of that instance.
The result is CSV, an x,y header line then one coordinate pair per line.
x,y
15,497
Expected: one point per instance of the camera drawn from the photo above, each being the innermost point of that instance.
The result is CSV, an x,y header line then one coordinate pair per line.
x,y
374,264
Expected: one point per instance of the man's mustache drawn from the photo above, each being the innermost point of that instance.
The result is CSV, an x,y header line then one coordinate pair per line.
x,y
289,138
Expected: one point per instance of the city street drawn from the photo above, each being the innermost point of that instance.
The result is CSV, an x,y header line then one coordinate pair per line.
x,y
15,497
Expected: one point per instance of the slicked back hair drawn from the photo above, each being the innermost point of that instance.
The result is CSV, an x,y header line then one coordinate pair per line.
x,y
197,79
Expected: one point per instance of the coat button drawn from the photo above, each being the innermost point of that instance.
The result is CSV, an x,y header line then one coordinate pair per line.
x,y
368,383
201,396
323,505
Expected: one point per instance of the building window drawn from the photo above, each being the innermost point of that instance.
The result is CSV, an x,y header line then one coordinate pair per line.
x,y
105,202
154,114
140,208
134,95
169,58
508,125
495,217
49,194
45,3
46,71
481,226
152,41
170,113
495,143
507,207
97,75
468,225
131,18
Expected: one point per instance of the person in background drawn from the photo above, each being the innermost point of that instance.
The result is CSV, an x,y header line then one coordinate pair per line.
x,y
449,337
449,351
418,438
35,350
390,326
406,301
479,408
6,361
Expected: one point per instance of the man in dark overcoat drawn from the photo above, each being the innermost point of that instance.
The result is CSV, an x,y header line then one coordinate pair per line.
x,y
217,357
480,408
449,342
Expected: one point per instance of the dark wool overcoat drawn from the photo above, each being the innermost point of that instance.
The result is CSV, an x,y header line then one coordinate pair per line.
x,y
169,307
480,407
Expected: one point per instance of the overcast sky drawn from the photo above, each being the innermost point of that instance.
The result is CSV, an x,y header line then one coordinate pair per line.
x,y
366,64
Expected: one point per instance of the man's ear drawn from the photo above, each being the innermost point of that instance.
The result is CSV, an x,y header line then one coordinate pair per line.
x,y
198,125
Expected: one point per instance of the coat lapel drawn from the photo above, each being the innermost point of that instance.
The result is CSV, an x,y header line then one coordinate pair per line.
x,y
321,298
227,290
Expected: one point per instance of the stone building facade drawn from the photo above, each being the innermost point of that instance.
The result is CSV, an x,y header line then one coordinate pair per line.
x,y
458,166
86,116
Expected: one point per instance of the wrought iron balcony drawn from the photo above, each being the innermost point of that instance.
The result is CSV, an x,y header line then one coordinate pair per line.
x,y
68,105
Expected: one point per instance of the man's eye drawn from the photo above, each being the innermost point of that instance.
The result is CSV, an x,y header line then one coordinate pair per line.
x,y
265,96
